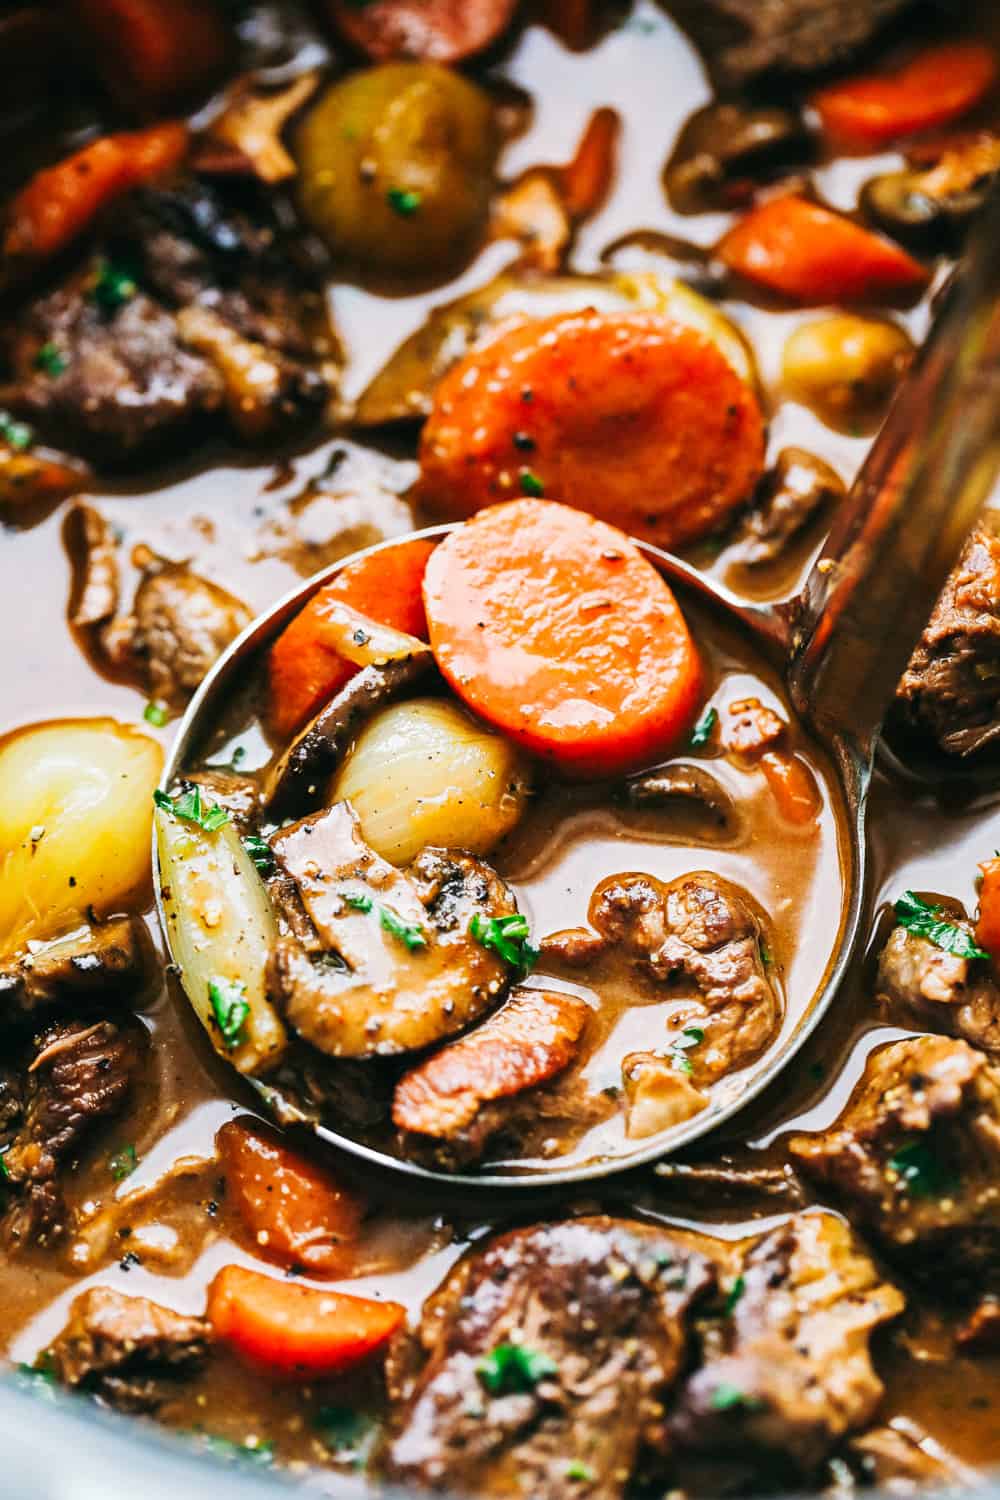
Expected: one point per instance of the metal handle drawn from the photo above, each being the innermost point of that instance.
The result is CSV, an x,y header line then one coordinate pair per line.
x,y
900,531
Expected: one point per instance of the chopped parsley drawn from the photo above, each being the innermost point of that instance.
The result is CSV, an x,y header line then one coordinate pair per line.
x,y
190,806
346,1432
155,714
531,484
113,287
230,1008
702,731
512,1369
403,202
249,1452
4,1169
360,900
507,936
930,922
49,359
123,1163
921,1172
580,1471
691,1036
408,933
727,1397
39,1377
260,852
734,1294
17,435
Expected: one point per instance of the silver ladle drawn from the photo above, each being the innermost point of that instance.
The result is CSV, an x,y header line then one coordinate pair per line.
x,y
843,644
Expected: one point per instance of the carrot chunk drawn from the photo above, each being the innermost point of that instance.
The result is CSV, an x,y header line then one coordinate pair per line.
x,y
59,203
793,785
630,416
551,625
988,921
304,668
296,1211
293,1330
936,86
813,255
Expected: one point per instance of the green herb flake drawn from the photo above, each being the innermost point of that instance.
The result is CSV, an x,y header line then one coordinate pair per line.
x,y
507,936
113,287
691,1036
408,933
360,900
920,1171
252,1452
260,852
123,1163
580,1471
345,1432
727,1397
39,1377
17,435
190,807
403,202
734,1294
702,731
4,1169
155,714
49,360
930,922
230,1008
513,1369
531,484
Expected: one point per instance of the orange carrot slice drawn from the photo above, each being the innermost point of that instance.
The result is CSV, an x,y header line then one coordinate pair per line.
x,y
938,85
630,416
553,627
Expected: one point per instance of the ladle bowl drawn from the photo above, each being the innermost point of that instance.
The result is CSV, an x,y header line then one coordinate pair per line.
x,y
842,644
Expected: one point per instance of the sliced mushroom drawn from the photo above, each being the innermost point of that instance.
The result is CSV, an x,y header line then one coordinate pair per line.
x,y
929,209
726,139
710,1181
252,122
390,964
315,753
682,782
93,549
795,490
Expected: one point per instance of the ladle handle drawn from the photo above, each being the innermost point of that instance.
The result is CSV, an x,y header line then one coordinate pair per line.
x,y
900,530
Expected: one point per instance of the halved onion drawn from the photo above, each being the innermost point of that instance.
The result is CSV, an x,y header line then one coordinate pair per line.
x,y
75,807
426,772
221,928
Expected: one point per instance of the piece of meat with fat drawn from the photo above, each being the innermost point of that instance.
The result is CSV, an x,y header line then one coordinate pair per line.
x,y
96,966
702,936
178,627
950,690
786,1372
126,387
607,1302
458,1100
373,960
744,39
128,1351
915,1156
947,992
81,1075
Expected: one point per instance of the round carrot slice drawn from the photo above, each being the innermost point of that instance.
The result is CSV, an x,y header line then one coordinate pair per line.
x,y
630,416
553,627
936,86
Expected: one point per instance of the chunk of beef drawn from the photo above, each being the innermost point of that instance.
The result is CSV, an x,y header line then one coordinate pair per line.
x,y
81,1075
743,39
127,385
949,993
749,726
459,1099
787,1373
916,1155
96,966
376,960
950,690
604,1302
702,936
179,626
127,1350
